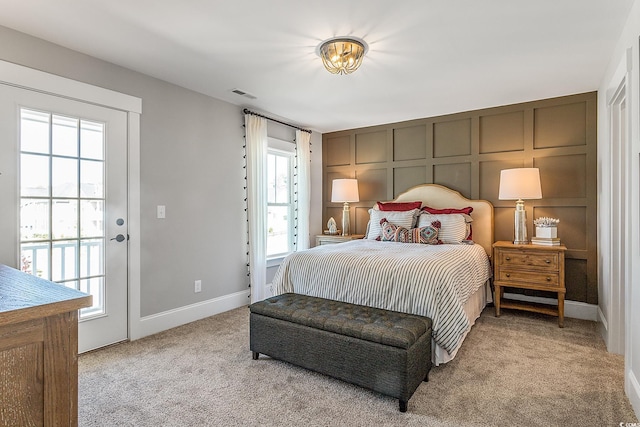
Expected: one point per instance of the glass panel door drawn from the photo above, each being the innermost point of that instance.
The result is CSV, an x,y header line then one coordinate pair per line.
x,y
64,210
62,202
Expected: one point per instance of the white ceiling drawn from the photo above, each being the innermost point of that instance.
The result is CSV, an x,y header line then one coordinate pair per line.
x,y
426,57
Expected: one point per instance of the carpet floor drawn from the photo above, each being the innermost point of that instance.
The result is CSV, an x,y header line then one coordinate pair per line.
x,y
516,370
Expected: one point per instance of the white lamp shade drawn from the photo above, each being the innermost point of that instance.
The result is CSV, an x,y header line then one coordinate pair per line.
x,y
345,190
521,183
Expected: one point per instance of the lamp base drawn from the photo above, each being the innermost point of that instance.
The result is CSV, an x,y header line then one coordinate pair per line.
x,y
345,219
520,225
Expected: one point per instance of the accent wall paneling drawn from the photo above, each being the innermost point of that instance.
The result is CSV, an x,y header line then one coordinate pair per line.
x,y
466,151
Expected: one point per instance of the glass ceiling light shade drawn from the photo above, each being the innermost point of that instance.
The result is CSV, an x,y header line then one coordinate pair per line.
x,y
342,55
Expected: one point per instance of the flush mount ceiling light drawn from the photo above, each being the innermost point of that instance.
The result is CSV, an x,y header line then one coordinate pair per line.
x,y
342,55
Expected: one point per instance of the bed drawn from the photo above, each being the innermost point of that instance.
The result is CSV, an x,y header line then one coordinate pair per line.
x,y
446,282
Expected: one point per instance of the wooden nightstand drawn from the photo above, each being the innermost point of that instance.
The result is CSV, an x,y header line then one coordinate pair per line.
x,y
329,239
529,267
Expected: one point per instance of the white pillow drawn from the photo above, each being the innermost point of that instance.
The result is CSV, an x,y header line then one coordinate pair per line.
x,y
406,219
453,227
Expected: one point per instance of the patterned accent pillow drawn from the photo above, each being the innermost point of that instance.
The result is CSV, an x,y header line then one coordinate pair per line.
x,y
393,233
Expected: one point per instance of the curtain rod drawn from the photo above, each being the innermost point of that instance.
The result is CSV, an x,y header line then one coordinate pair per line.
x,y
246,111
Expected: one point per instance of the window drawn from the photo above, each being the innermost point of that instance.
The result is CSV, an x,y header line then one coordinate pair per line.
x,y
62,202
280,210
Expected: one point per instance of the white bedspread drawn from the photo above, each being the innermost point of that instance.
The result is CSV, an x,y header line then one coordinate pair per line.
x,y
429,280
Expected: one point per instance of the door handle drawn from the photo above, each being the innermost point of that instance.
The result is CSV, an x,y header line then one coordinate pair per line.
x,y
119,238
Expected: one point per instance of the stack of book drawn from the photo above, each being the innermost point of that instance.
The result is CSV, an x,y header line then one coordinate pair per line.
x,y
546,241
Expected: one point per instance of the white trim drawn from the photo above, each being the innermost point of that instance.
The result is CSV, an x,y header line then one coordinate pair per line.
x,y
275,261
614,215
573,309
603,325
631,297
32,79
278,144
179,316
135,244
633,391
602,319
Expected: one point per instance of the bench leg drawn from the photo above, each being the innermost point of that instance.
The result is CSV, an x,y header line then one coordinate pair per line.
x,y
403,405
255,355
426,377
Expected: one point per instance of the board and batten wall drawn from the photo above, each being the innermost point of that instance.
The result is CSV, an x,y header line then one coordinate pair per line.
x,y
466,152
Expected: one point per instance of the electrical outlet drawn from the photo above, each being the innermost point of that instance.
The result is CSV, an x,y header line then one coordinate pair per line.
x,y
198,286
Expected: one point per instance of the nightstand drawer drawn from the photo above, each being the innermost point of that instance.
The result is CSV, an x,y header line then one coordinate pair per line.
x,y
529,259
329,239
550,279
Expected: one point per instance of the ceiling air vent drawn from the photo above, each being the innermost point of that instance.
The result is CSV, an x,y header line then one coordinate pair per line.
x,y
243,93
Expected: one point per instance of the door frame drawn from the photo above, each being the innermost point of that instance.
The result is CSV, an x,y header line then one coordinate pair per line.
x,y
618,229
31,79
615,234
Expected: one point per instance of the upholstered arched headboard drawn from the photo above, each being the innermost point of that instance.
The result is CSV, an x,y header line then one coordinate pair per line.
x,y
440,197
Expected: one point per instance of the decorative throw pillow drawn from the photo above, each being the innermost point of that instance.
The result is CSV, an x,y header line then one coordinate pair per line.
x,y
399,206
464,211
406,219
435,211
427,235
453,228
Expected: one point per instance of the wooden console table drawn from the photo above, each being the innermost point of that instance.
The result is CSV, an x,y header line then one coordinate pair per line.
x,y
38,350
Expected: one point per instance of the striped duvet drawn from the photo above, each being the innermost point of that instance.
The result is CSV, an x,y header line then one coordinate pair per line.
x,y
429,280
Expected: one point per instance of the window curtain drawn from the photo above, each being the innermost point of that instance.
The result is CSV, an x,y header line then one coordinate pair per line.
x,y
256,140
303,181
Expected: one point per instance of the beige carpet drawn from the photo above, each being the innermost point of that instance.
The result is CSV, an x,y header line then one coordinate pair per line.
x,y
516,370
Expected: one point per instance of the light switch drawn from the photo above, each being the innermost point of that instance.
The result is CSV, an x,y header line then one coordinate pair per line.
x,y
161,212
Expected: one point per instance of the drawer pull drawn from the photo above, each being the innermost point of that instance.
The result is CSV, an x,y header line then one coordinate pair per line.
x,y
548,279
508,275
508,258
547,261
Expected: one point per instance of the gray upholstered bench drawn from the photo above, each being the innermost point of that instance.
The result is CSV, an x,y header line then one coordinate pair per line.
x,y
382,350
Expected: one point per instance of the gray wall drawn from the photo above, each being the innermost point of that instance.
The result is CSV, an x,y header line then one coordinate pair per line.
x,y
191,162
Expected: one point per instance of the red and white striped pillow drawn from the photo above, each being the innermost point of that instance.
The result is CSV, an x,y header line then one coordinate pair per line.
x,y
453,228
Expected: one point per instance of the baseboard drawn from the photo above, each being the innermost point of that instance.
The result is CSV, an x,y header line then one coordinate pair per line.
x,y
603,325
603,319
573,309
633,392
159,322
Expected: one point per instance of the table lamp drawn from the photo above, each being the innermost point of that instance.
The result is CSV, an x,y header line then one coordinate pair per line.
x,y
520,184
345,191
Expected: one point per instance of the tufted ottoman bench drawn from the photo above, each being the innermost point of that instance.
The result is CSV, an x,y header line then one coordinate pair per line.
x,y
382,350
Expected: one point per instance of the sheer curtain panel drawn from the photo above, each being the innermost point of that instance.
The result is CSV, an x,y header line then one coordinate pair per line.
x,y
303,157
256,139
